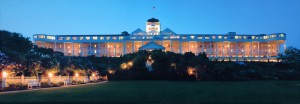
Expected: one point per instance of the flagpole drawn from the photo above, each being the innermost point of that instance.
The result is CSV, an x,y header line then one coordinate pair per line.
x,y
153,11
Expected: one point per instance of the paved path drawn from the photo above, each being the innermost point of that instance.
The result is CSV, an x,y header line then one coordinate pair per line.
x,y
7,92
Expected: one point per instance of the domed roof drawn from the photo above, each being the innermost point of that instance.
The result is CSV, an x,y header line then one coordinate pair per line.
x,y
152,20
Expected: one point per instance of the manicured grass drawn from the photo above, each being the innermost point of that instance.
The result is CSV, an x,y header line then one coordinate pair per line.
x,y
201,92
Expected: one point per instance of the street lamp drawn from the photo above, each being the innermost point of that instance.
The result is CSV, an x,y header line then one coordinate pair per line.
x,y
4,74
50,74
130,63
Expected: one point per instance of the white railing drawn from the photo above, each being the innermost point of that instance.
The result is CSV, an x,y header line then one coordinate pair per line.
x,y
52,79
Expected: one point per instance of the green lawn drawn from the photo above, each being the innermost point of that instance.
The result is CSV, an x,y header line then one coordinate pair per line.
x,y
251,92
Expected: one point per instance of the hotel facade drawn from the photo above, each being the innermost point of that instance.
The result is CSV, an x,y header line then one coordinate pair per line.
x,y
230,46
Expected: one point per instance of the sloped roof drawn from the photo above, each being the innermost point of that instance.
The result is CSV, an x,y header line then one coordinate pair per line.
x,y
151,45
167,30
138,31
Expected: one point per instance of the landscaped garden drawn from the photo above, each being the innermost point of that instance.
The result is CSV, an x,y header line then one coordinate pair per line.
x,y
171,77
191,92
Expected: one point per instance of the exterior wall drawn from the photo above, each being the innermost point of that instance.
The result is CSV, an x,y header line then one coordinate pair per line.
x,y
217,47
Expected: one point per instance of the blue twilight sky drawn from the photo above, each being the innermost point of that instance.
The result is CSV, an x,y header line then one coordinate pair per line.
x,y
182,16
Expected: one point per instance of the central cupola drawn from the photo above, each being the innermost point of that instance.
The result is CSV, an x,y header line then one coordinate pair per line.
x,y
153,26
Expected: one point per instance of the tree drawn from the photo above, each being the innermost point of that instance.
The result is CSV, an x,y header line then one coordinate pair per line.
x,y
290,55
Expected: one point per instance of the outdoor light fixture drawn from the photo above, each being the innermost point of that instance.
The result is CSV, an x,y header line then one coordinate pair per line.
x,y
191,70
50,74
76,74
4,74
93,74
130,63
111,71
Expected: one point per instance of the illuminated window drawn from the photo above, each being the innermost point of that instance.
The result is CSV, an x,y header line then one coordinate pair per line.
x,y
213,37
101,38
107,38
206,37
67,38
95,51
95,46
60,38
240,37
69,51
114,38
51,37
79,51
220,37
225,37
74,38
35,36
253,37
273,36
81,38
236,37
87,38
244,37
121,37
192,37
266,37
183,37
41,36
95,37
281,35
199,37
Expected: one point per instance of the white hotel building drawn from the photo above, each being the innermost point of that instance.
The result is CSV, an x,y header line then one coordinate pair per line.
x,y
230,46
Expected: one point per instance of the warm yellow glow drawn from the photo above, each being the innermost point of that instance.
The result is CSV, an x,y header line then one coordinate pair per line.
x,y
191,71
93,75
124,66
4,74
111,71
130,63
76,74
50,74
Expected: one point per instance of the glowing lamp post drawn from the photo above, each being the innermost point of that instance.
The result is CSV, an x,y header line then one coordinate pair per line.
x,y
93,76
49,77
4,75
76,76
130,63
50,74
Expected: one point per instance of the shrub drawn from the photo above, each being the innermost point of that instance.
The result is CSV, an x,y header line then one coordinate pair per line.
x,y
60,83
45,84
54,85
15,86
